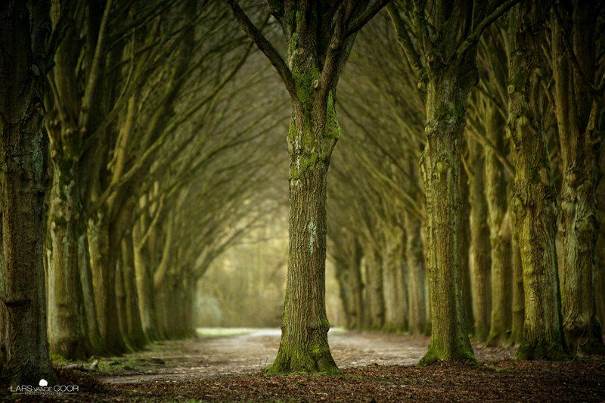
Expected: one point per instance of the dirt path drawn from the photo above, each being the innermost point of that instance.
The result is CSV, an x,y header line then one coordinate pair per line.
x,y
225,365
241,351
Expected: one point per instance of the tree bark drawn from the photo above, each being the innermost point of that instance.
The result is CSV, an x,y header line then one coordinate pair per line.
x,y
88,300
576,111
134,327
465,242
480,242
395,299
499,233
532,204
67,336
22,189
446,96
144,284
415,262
103,268
312,136
518,310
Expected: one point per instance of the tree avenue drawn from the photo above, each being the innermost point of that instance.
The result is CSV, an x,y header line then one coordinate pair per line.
x,y
143,174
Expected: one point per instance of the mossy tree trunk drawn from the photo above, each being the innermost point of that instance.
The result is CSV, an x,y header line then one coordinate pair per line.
x,y
480,242
577,114
23,149
67,337
518,304
103,268
134,327
446,96
319,37
144,281
304,342
499,232
533,203
88,300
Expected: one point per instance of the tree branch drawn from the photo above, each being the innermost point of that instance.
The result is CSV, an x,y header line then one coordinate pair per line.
x,y
473,38
365,17
265,46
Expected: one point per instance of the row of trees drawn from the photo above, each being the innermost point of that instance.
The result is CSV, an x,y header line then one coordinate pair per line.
x,y
134,146
495,233
135,151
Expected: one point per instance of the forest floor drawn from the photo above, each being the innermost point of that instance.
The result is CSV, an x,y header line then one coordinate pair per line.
x,y
226,365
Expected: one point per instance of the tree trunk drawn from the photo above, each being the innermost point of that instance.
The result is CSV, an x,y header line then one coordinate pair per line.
x,y
375,289
312,136
144,285
22,190
442,164
599,286
67,336
465,241
134,328
499,233
416,276
395,299
576,111
480,242
103,268
304,342
88,300
518,310
532,204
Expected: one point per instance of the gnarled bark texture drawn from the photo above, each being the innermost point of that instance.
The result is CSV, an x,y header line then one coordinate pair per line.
x,y
480,242
532,203
22,190
499,233
576,111
446,97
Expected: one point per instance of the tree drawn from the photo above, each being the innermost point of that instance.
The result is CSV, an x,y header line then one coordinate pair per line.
x,y
319,37
574,54
533,203
25,44
439,40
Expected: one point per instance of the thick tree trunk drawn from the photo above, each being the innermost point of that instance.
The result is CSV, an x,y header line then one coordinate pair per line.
x,y
445,101
312,136
22,189
304,342
416,276
67,336
499,233
480,242
103,268
576,112
532,205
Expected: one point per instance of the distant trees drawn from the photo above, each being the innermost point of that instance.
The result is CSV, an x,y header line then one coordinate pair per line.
x,y
154,161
